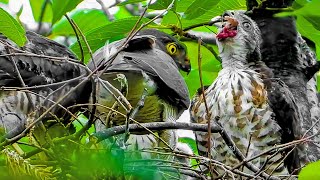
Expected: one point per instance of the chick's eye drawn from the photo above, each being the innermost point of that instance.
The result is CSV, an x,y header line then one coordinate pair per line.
x,y
172,48
246,25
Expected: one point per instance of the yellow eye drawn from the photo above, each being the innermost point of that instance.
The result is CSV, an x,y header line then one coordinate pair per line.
x,y
172,48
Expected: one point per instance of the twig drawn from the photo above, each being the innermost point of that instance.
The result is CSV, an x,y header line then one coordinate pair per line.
x,y
78,39
240,156
43,9
208,113
102,135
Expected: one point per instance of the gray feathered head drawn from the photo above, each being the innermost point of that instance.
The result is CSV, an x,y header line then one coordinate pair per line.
x,y
170,45
238,35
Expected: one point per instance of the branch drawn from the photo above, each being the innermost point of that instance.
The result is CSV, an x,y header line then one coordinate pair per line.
x,y
156,126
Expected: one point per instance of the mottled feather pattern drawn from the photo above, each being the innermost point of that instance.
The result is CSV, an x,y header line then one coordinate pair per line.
x,y
240,98
252,125
308,58
15,107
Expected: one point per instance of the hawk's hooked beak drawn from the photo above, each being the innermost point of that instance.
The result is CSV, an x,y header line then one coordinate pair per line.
x,y
187,65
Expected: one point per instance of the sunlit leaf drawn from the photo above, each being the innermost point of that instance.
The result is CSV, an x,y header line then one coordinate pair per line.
x,y
83,19
61,7
215,11
122,13
37,8
199,7
307,30
309,11
160,4
112,31
311,171
11,28
130,2
190,142
182,5
4,1
210,67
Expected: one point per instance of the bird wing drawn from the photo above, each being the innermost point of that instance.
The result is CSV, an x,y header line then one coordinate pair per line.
x,y
156,63
288,116
36,62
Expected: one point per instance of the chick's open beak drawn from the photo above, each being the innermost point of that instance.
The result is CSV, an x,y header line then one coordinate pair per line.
x,y
228,29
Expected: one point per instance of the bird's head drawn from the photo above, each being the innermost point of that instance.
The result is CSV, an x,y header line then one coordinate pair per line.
x,y
238,35
171,46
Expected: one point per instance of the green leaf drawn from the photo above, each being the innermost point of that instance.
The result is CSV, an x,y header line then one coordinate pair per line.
x,y
171,18
315,21
307,30
4,1
160,4
215,11
199,7
84,20
61,7
112,31
122,13
311,171
182,5
11,28
297,4
309,11
210,67
37,6
191,143
130,2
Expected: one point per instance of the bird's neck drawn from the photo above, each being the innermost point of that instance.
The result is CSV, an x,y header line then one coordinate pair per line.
x,y
234,58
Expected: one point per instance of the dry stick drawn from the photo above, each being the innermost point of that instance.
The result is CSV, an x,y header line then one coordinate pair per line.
x,y
217,163
295,146
208,116
278,147
102,135
24,132
66,109
78,39
268,158
133,33
96,68
215,54
43,9
40,86
78,30
239,155
123,126
41,126
103,83
49,58
19,52
20,77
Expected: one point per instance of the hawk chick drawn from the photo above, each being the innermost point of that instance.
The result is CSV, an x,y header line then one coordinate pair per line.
x,y
243,96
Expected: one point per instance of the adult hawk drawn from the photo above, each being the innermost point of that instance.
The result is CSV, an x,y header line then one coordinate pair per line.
x,y
39,74
146,71
254,109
